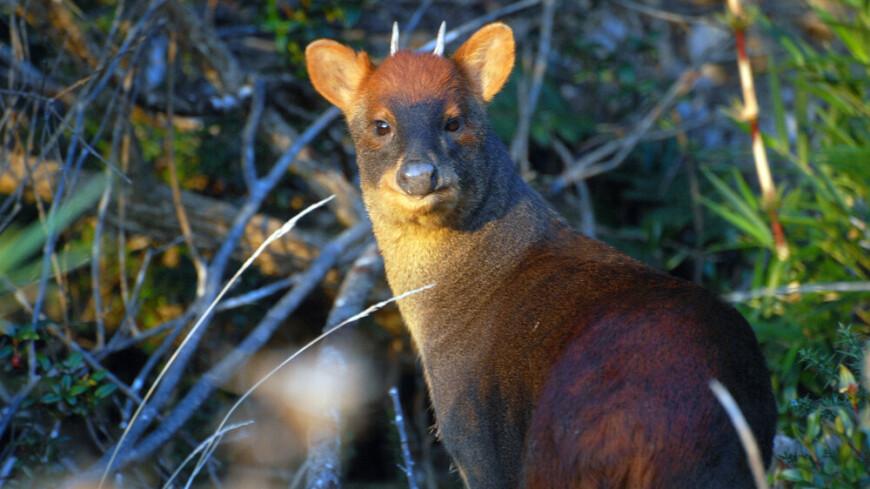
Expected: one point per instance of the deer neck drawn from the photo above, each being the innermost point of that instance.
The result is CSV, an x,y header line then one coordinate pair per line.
x,y
464,263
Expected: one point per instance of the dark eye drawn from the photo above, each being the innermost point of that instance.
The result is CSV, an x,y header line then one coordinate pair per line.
x,y
452,125
382,128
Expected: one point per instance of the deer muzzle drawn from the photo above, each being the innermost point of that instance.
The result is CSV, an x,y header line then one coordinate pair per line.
x,y
417,178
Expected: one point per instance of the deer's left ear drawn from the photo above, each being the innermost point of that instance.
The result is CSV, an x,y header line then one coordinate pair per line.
x,y
487,58
336,71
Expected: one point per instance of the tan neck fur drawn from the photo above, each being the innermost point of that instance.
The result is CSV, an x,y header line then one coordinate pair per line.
x,y
463,264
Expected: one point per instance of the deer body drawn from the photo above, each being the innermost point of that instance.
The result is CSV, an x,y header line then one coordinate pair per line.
x,y
553,361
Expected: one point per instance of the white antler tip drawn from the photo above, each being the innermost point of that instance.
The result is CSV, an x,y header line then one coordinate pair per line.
x,y
394,41
439,42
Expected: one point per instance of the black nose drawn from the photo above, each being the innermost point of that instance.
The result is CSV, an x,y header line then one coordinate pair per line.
x,y
417,178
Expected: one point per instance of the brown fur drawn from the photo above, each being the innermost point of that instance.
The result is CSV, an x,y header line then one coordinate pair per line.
x,y
553,361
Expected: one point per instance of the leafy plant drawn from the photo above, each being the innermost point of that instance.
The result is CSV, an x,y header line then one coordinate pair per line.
x,y
819,151
831,434
819,148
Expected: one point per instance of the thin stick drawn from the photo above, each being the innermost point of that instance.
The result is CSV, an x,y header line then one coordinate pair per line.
x,y
519,149
753,454
95,261
587,213
695,199
750,114
661,14
408,469
7,469
253,296
798,289
249,134
169,147
277,234
205,443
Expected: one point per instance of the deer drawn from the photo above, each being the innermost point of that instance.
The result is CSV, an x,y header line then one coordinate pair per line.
x,y
552,360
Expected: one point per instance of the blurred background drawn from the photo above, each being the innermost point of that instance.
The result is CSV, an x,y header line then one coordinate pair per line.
x,y
148,148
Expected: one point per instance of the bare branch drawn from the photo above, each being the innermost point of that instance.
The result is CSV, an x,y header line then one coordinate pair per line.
x,y
249,135
519,149
399,420
324,439
660,14
169,149
797,289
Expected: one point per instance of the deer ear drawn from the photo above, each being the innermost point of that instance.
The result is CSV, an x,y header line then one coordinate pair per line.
x,y
487,58
336,71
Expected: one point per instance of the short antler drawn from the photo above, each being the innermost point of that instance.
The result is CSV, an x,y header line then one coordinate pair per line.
x,y
439,42
394,41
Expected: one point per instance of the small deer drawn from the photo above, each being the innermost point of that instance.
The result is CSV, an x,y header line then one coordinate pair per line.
x,y
552,360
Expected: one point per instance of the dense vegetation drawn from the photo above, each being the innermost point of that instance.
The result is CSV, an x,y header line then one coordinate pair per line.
x,y
149,147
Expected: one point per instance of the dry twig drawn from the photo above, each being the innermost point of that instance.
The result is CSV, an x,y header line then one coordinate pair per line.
x,y
747,439
399,420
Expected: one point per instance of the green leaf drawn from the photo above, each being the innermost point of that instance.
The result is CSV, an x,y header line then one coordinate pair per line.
x,y
105,390
73,361
760,234
745,192
744,215
29,240
847,379
50,398
26,333
44,362
793,475
778,106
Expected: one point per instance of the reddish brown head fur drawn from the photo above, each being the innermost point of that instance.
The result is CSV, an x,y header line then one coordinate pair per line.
x,y
342,75
419,124
408,78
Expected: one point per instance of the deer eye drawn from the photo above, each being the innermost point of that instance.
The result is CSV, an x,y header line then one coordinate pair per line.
x,y
452,125
382,128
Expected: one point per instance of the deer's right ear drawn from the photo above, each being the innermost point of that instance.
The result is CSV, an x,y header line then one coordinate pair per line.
x,y
336,71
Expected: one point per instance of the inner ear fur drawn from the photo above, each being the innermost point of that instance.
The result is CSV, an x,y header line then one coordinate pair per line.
x,y
336,71
487,58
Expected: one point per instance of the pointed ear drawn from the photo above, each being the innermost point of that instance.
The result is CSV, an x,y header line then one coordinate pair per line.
x,y
487,58
336,71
